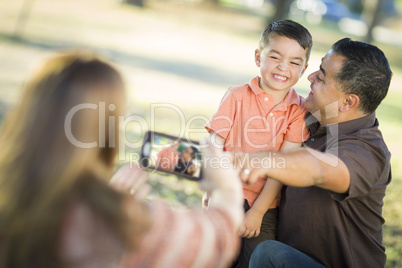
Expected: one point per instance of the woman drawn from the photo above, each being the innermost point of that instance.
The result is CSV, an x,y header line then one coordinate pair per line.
x,y
56,206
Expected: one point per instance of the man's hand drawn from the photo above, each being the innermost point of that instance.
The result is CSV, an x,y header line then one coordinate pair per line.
x,y
251,224
251,165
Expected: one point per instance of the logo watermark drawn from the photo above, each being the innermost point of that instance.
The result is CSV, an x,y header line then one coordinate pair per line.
x,y
257,132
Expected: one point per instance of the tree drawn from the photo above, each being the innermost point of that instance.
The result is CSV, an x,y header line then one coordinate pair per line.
x,y
211,2
23,18
281,11
139,3
372,12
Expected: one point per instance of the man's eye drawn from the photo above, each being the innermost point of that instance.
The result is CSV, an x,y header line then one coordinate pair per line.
x,y
319,79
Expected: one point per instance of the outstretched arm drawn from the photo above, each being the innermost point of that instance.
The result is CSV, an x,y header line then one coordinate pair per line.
x,y
218,142
194,238
303,168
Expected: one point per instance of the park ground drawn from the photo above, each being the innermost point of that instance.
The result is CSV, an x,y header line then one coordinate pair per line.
x,y
178,59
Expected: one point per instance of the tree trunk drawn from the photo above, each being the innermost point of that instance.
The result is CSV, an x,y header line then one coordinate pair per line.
x,y
372,12
138,3
211,2
23,18
282,10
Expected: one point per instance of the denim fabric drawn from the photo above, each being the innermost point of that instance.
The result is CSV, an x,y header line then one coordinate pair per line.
x,y
272,253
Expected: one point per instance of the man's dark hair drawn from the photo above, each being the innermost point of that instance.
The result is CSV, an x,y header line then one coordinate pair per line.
x,y
195,152
290,29
365,72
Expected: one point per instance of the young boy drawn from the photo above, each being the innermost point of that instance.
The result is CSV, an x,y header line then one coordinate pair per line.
x,y
265,114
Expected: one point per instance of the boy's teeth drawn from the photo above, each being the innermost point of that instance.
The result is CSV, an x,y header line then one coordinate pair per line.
x,y
280,77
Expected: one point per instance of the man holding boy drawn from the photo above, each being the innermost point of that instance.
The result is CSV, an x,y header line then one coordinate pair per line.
x,y
331,209
265,114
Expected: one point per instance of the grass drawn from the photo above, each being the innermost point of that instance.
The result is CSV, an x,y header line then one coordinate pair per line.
x,y
389,114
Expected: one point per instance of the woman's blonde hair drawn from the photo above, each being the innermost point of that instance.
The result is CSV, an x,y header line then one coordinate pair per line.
x,y
71,103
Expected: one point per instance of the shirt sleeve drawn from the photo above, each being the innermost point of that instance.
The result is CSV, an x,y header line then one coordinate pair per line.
x,y
297,130
367,163
186,239
222,121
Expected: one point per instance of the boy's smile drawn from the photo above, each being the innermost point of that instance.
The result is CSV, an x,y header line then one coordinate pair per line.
x,y
282,62
280,77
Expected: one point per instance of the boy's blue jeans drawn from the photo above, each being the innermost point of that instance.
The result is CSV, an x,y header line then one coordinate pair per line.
x,y
276,254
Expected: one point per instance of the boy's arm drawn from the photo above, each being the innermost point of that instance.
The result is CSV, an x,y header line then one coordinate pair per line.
x,y
253,218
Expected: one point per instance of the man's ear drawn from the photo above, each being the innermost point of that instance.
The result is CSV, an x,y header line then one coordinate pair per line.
x,y
257,57
305,68
352,101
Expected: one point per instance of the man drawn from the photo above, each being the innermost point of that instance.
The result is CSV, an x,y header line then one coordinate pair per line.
x,y
331,210
185,164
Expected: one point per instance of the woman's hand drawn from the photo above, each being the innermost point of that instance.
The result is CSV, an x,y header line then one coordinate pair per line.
x,y
221,181
131,179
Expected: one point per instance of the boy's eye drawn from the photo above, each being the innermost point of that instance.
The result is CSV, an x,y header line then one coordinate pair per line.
x,y
273,57
295,63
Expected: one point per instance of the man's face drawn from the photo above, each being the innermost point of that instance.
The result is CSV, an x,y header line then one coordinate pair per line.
x,y
324,95
282,62
186,154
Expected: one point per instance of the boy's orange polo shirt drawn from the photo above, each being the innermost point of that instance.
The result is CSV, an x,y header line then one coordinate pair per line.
x,y
167,159
249,122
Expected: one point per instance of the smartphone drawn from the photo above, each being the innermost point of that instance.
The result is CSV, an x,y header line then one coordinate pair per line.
x,y
173,155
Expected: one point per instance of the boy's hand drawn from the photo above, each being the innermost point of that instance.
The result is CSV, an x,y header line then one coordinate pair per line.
x,y
251,224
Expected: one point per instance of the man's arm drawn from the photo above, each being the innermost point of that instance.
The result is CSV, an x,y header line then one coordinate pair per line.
x,y
302,168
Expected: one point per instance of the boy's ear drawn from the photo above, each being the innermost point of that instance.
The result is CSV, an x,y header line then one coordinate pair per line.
x,y
304,69
257,57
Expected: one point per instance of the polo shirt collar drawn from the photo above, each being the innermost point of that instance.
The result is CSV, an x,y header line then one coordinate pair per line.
x,y
291,97
344,128
255,86
355,125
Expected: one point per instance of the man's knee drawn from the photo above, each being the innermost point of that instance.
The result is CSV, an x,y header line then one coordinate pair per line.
x,y
268,253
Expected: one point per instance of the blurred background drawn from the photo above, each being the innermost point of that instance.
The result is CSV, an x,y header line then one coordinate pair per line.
x,y
178,57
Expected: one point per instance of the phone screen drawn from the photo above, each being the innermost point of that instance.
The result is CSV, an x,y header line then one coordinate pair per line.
x,y
170,154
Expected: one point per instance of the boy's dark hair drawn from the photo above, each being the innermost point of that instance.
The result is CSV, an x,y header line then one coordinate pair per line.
x,y
365,72
290,29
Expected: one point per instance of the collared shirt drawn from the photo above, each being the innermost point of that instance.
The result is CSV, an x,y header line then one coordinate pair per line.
x,y
167,159
249,121
341,230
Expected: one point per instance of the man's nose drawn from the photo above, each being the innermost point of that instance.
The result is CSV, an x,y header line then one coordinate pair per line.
x,y
311,77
